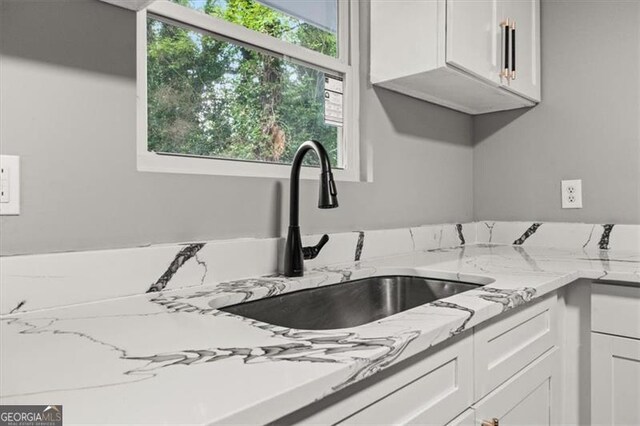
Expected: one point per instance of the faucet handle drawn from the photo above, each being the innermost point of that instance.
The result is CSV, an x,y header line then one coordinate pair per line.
x,y
313,251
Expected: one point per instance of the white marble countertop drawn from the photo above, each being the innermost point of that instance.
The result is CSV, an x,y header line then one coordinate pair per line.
x,y
171,357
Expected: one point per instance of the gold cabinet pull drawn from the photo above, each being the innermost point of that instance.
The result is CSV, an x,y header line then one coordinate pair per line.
x,y
505,69
492,422
512,29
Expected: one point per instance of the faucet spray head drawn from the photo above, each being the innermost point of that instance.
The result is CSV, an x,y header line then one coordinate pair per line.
x,y
328,196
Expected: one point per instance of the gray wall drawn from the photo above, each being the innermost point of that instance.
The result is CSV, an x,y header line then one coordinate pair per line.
x,y
68,109
587,126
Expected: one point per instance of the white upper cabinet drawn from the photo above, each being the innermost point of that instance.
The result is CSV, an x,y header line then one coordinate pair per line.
x,y
524,20
458,53
472,44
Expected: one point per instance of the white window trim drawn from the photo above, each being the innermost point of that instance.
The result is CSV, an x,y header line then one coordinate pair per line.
x,y
354,168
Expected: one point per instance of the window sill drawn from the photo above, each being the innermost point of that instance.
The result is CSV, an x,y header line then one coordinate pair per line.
x,y
150,162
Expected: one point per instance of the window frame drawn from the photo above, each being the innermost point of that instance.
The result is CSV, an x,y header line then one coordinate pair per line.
x,y
346,64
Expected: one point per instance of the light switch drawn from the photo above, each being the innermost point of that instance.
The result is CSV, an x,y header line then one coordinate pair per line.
x,y
9,185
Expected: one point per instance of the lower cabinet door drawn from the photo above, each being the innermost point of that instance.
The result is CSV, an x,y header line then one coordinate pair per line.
x,y
531,397
615,380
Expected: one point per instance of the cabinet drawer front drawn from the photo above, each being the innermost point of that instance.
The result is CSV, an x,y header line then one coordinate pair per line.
x,y
532,397
615,309
507,344
442,391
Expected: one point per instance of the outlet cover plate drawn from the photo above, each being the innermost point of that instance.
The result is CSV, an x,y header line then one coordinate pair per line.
x,y
572,194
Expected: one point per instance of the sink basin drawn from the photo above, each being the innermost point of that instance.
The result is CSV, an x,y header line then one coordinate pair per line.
x,y
348,304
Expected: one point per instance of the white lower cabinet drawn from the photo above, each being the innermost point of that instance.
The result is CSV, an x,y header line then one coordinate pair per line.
x,y
531,397
615,309
436,390
615,380
615,355
509,371
431,387
506,369
507,344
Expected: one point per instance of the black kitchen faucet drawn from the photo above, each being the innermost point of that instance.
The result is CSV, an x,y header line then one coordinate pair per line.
x,y
295,254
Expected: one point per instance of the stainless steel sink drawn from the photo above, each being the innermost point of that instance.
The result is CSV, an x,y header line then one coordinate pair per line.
x,y
348,304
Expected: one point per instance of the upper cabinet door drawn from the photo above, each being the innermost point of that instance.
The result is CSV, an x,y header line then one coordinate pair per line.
x,y
524,46
472,37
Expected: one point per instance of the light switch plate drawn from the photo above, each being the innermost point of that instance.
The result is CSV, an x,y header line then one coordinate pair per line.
x,y
572,194
9,185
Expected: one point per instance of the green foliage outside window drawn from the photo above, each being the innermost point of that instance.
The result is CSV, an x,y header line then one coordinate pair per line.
x,y
210,97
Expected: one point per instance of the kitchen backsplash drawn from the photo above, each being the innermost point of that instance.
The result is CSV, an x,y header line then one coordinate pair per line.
x,y
49,280
560,235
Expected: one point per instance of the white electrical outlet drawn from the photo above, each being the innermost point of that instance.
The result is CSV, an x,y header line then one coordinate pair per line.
x,y
9,185
572,194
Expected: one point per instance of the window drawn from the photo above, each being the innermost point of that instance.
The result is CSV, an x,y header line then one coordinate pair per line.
x,y
233,87
311,24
